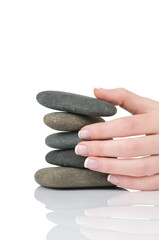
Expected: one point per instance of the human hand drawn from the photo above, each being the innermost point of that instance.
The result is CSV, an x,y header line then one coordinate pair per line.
x,y
139,168
130,215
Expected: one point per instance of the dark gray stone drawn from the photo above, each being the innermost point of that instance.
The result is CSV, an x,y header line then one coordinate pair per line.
x,y
63,140
65,158
64,177
75,103
64,121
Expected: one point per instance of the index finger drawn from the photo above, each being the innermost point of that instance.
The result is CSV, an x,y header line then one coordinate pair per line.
x,y
122,127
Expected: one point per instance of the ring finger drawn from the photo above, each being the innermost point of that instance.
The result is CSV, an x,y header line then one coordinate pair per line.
x,y
137,167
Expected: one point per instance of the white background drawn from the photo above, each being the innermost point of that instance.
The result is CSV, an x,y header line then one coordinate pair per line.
x,y
69,46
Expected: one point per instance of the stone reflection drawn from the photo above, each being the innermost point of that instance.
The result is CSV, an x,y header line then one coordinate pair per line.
x,y
99,213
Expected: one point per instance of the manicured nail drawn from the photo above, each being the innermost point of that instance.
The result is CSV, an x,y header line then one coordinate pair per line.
x,y
97,88
84,134
81,220
91,163
81,150
77,220
113,179
101,88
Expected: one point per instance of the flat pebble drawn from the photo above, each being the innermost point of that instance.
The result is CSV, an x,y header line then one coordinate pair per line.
x,y
75,103
78,201
63,140
65,158
65,177
64,121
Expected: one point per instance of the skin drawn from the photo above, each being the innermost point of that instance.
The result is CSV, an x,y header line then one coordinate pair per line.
x,y
123,216
136,162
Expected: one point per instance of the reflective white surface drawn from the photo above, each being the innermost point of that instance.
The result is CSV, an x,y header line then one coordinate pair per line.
x,y
100,213
70,46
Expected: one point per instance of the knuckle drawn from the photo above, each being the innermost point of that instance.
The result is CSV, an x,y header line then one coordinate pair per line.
x,y
96,129
101,148
96,148
99,129
140,170
131,149
132,124
92,147
153,184
110,167
131,184
128,182
154,115
122,90
129,124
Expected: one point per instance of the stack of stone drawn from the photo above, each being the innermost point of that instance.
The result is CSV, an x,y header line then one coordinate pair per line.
x,y
77,111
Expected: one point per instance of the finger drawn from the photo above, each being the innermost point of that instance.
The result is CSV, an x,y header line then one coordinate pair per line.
x,y
115,224
138,167
130,147
131,102
135,198
93,234
138,183
131,212
103,234
122,127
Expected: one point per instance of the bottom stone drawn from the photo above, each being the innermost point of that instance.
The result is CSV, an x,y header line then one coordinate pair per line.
x,y
65,177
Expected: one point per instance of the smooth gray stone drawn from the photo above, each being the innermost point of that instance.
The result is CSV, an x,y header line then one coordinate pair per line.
x,y
63,140
65,158
59,232
64,121
53,200
75,103
65,177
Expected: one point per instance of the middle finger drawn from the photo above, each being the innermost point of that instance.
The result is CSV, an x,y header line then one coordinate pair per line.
x,y
130,147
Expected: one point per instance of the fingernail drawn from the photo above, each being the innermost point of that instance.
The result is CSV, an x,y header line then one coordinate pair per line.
x,y
86,232
81,150
77,220
86,212
84,134
91,163
81,220
101,88
97,88
113,179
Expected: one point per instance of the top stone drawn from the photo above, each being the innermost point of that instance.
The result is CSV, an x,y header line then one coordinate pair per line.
x,y
75,103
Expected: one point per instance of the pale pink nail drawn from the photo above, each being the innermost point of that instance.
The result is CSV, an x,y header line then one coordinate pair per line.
x,y
84,134
98,88
91,163
81,150
113,179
